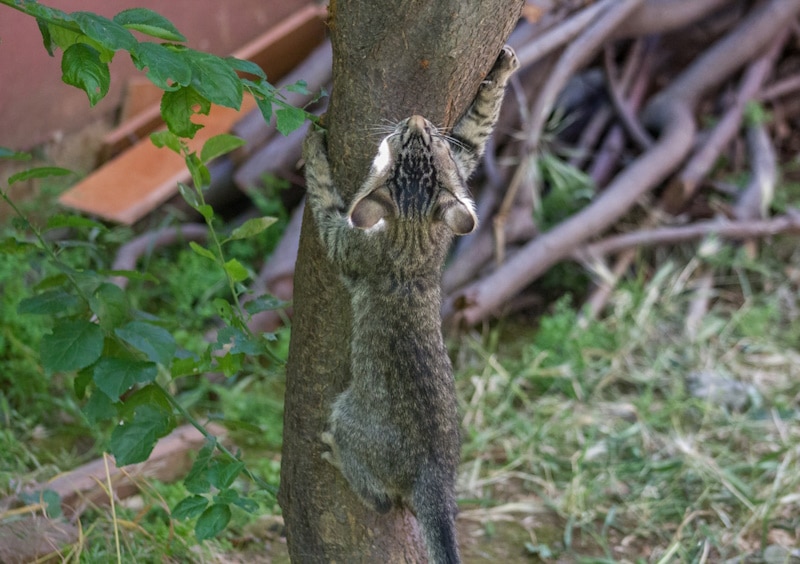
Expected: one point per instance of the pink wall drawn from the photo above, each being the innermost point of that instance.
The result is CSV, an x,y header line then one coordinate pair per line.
x,y
35,105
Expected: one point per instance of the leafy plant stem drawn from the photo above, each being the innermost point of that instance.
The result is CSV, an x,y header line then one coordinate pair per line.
x,y
213,438
45,247
22,7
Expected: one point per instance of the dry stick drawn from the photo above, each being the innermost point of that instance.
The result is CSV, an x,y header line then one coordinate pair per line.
x,y
562,33
757,196
781,88
590,136
615,91
698,167
659,16
733,230
671,115
578,52
608,155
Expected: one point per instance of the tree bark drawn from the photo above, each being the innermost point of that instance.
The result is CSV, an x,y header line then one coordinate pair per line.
x,y
390,60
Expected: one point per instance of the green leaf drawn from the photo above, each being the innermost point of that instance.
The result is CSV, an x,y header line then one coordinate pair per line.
x,y
202,251
150,23
265,105
105,32
81,382
289,119
165,67
49,498
300,87
239,341
212,522
219,145
129,274
38,172
196,481
251,228
201,176
187,367
133,441
76,221
189,195
178,107
81,67
206,211
10,246
166,139
236,270
264,303
151,395
99,408
230,363
215,79
248,67
156,343
52,302
11,154
110,304
63,37
47,38
231,496
225,311
115,376
222,473
71,346
190,507
52,502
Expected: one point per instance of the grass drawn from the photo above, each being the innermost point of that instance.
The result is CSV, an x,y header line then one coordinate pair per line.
x,y
597,427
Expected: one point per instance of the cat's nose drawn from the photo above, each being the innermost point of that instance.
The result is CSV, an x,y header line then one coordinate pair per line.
x,y
416,123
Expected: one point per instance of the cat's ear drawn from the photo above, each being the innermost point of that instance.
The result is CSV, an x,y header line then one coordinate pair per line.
x,y
369,209
458,216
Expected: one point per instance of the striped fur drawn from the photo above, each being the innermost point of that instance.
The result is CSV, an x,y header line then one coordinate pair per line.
x,y
394,433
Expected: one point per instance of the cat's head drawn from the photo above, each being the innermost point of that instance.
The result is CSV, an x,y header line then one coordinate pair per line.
x,y
414,178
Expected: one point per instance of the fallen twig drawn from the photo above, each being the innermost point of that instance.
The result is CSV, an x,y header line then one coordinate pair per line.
x,y
733,230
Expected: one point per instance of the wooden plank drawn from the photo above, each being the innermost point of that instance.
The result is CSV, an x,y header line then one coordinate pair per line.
x,y
126,188
29,535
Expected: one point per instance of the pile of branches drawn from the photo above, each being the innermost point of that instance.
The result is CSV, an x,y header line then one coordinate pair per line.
x,y
612,94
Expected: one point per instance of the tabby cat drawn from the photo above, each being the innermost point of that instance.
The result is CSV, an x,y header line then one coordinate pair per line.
x,y
394,433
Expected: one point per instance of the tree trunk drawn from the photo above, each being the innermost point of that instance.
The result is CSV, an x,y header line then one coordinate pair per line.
x,y
390,60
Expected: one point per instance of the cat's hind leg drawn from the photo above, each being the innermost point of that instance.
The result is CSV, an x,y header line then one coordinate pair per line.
x,y
362,481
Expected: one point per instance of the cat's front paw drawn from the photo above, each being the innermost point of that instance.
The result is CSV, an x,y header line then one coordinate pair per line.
x,y
505,65
318,171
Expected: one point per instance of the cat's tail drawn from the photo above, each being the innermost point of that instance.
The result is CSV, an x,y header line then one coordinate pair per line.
x,y
435,509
